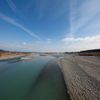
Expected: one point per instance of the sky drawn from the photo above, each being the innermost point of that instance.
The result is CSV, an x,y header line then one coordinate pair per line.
x,y
49,25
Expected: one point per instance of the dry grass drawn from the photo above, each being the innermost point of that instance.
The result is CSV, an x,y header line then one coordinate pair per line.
x,y
0,54
13,53
90,54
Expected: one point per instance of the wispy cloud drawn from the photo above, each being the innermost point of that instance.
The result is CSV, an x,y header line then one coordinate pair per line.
x,y
52,8
84,19
48,40
12,42
38,42
86,39
85,11
72,16
29,4
13,7
41,7
12,21
59,7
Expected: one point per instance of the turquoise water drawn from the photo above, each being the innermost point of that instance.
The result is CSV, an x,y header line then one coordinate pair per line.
x,y
50,85
21,80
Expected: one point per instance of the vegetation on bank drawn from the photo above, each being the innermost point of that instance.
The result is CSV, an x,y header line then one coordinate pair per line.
x,y
0,54
89,54
13,53
3,52
94,52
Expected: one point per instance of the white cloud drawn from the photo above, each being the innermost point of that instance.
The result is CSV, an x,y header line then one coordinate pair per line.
x,y
86,39
82,14
12,21
48,40
72,16
84,19
41,48
24,43
38,42
13,7
78,44
81,47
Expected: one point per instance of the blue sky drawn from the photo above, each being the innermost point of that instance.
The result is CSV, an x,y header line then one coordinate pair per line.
x,y
49,25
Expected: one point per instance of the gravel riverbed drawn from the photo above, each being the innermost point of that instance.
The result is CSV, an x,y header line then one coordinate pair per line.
x,y
82,76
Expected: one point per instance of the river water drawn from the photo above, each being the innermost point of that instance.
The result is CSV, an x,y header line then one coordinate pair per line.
x,y
32,79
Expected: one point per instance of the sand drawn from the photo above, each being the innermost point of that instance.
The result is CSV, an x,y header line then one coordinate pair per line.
x,y
8,56
29,57
49,54
22,58
82,76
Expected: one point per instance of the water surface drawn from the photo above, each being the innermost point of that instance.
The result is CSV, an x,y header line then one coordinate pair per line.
x,y
29,80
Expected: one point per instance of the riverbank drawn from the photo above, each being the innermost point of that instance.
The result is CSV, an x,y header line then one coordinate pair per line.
x,y
8,56
29,57
49,54
82,76
13,56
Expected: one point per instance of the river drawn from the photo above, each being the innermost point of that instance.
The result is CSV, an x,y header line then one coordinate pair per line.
x,y
31,79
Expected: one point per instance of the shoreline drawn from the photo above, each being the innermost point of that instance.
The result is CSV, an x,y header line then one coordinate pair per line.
x,y
29,57
81,76
53,67
13,56
9,56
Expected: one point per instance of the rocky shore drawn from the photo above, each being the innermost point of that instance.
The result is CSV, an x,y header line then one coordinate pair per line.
x,y
82,76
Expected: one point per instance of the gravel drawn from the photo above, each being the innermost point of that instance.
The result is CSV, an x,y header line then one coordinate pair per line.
x,y
82,76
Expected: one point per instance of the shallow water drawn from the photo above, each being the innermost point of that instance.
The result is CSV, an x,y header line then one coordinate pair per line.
x,y
50,85
28,80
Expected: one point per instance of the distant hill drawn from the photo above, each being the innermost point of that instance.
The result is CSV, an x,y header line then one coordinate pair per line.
x,y
93,50
2,50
